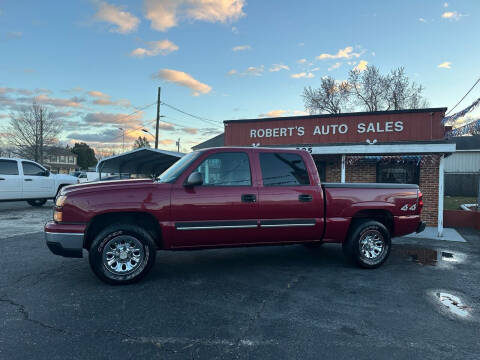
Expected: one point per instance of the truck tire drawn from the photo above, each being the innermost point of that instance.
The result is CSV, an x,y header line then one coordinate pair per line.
x,y
122,254
37,202
368,244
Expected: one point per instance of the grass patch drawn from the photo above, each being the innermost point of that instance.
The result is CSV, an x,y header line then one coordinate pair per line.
x,y
454,202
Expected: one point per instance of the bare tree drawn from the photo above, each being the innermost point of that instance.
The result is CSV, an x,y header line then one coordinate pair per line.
x,y
331,97
400,93
368,88
141,142
31,129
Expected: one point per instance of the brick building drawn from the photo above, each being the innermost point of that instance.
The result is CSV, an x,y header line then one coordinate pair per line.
x,y
402,146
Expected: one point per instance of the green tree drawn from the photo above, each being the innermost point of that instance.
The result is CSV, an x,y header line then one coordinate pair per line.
x,y
85,155
141,142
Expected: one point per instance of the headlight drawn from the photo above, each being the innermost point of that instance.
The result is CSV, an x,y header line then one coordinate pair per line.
x,y
60,200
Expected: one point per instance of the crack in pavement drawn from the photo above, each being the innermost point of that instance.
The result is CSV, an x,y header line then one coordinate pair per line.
x,y
26,316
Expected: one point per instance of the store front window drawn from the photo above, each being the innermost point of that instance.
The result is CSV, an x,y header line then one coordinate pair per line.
x,y
406,173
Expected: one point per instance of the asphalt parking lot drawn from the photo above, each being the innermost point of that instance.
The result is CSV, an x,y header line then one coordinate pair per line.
x,y
284,302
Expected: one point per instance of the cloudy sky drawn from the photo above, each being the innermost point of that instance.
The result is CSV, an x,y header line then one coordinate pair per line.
x,y
94,62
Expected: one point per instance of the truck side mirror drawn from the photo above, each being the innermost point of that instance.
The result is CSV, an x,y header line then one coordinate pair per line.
x,y
46,173
194,179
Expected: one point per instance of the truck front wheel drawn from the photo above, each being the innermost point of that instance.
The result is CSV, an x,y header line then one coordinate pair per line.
x,y
368,244
122,254
37,202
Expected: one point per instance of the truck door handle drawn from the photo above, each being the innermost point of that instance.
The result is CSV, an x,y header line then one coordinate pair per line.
x,y
305,198
249,198
27,179
2,179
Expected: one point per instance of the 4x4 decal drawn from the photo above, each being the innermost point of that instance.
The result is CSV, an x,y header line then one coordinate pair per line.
x,y
407,207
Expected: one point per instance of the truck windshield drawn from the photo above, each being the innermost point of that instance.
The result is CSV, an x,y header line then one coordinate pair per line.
x,y
174,171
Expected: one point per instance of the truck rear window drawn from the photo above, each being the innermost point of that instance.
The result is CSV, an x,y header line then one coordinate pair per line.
x,y
283,169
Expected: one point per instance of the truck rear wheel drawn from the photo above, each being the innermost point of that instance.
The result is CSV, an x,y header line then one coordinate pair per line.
x,y
37,202
122,254
368,245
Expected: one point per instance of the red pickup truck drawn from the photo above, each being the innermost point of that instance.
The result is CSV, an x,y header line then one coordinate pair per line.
x,y
227,197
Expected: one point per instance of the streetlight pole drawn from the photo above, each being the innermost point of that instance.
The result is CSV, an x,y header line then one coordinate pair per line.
x,y
123,138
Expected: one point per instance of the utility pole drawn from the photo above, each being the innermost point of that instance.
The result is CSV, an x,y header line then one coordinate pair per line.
x,y
178,145
158,118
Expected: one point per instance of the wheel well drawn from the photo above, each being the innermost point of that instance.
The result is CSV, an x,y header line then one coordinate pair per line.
x,y
145,220
383,216
60,188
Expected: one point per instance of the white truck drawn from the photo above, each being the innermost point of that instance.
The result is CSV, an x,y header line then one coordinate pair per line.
x,y
25,180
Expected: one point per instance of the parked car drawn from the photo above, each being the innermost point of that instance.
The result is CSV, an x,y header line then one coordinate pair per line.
x,y
22,180
227,197
115,177
85,176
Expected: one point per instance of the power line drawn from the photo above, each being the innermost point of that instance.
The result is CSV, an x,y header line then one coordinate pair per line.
x,y
468,92
206,120
126,116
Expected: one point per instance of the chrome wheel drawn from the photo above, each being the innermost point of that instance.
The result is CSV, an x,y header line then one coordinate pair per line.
x,y
123,254
372,245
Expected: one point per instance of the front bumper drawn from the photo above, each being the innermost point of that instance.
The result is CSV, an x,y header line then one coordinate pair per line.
x,y
68,244
420,227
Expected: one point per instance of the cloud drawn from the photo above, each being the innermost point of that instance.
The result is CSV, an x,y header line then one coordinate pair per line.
x,y
72,102
98,94
256,71
273,113
183,79
335,66
101,118
445,65
452,15
167,13
165,126
235,30
361,66
278,67
242,48
191,131
445,5
14,35
302,61
105,136
124,21
166,141
105,100
306,75
162,47
232,72
346,53
280,113
422,20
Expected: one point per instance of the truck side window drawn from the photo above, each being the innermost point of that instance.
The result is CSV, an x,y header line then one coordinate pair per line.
x,y
226,169
30,169
8,167
283,169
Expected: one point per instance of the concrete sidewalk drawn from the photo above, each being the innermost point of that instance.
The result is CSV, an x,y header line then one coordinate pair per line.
x,y
430,233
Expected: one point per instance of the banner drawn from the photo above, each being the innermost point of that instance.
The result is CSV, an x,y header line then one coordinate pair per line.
x,y
459,114
471,128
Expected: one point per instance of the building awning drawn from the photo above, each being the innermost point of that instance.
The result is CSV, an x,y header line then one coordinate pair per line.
x,y
370,149
144,161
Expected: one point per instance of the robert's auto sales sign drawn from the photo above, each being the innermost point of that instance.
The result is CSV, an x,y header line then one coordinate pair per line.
x,y
415,125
